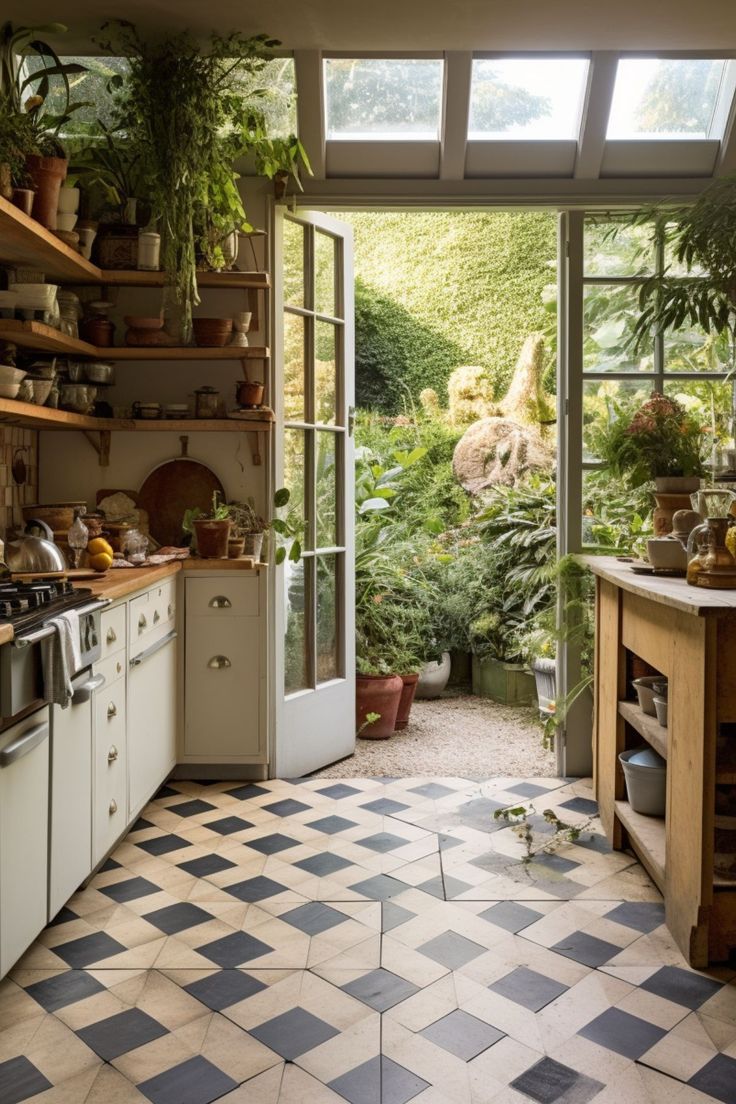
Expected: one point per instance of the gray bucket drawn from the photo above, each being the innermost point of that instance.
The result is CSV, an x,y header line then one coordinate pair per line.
x,y
646,782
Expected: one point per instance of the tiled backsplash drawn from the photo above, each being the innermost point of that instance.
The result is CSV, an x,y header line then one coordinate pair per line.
x,y
14,444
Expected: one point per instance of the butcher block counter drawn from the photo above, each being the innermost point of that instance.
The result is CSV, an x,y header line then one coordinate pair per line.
x,y
118,582
688,635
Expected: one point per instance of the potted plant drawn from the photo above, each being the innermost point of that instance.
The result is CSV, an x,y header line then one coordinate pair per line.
x,y
31,93
182,109
210,531
281,160
17,144
250,527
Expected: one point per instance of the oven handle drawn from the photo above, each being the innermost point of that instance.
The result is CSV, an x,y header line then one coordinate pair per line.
x,y
24,744
43,634
85,691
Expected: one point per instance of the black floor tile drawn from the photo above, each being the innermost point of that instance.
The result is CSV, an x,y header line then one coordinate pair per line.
x,y
19,1080
393,915
273,844
528,988
463,1035
288,807
382,842
195,1081
191,808
243,793
314,918
293,1033
255,889
331,825
717,1079
162,845
549,1081
384,806
89,949
233,950
130,890
207,864
451,950
380,887
586,949
120,1033
224,988
179,917
642,916
380,989
324,864
339,791
63,989
511,916
622,1033
226,826
682,986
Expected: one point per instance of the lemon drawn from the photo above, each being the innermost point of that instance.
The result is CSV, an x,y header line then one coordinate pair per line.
x,y
731,541
101,561
98,545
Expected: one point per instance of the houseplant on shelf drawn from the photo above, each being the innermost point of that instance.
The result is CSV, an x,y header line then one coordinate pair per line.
x,y
17,144
281,160
31,77
210,531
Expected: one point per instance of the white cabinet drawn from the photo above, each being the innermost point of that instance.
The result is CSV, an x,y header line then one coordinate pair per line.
x,y
224,670
110,803
24,827
151,716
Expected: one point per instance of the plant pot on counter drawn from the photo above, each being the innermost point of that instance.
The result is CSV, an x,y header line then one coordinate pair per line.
x,y
249,394
545,677
433,678
235,547
23,200
508,683
379,694
47,174
408,690
253,545
212,538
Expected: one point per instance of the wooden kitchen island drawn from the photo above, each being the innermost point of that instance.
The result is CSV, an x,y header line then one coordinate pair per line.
x,y
687,634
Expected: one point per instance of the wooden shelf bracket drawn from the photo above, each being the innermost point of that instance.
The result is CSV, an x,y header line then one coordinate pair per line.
x,y
101,444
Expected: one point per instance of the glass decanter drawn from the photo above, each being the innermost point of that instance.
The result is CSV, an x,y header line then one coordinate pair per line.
x,y
78,536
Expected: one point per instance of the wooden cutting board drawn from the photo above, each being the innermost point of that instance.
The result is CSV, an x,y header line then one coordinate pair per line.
x,y
172,488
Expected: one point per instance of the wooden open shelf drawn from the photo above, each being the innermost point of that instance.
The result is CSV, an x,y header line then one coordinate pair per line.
x,y
221,280
647,836
43,338
44,417
648,727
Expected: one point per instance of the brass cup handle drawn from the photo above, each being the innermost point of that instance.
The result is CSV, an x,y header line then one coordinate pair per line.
x,y
156,617
112,754
111,636
112,711
169,609
219,663
142,622
118,667
113,807
220,602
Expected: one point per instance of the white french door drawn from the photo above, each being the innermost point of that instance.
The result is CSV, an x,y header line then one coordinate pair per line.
x,y
315,602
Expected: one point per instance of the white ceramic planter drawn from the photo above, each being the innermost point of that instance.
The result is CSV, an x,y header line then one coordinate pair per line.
x,y
68,201
433,678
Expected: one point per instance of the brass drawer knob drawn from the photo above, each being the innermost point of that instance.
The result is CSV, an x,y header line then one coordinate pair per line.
x,y
156,617
118,666
220,602
113,807
219,663
112,711
112,754
169,609
142,622
111,636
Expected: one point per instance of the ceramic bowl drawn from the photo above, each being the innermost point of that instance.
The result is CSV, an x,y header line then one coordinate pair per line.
x,y
9,390
645,693
134,322
214,332
40,297
9,374
78,397
666,553
41,390
660,706
99,372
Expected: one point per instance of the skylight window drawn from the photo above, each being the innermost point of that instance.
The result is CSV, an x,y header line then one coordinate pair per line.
x,y
380,99
526,98
661,98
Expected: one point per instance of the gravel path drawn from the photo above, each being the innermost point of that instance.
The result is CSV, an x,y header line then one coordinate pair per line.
x,y
459,735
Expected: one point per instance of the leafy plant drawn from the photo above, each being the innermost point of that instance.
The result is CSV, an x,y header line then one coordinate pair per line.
x,y
521,818
281,157
111,167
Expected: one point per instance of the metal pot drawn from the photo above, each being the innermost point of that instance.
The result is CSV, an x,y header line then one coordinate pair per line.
x,y
31,554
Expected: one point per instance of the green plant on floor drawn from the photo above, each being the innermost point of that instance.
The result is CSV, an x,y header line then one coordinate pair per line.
x,y
521,820
182,109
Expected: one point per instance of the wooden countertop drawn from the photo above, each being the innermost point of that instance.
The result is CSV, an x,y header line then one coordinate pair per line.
x,y
664,589
120,581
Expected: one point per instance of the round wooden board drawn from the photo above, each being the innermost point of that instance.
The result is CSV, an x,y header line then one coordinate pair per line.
x,y
172,488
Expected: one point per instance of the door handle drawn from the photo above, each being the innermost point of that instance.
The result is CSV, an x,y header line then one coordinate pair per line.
x,y
112,754
24,744
219,663
111,636
220,602
137,660
84,692
112,711
113,807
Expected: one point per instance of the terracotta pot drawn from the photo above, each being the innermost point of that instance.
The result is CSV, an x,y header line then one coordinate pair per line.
x,y
235,547
212,538
23,199
248,394
377,694
6,181
667,507
677,484
98,331
214,332
47,174
408,690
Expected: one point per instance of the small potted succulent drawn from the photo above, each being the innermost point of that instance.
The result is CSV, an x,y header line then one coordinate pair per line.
x,y
210,531
250,527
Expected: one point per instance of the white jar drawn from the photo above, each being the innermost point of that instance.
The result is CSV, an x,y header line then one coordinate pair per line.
x,y
149,247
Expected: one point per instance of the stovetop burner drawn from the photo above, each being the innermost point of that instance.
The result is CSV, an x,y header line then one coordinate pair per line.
x,y
27,605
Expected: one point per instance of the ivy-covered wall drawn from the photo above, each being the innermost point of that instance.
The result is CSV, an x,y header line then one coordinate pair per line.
x,y
438,290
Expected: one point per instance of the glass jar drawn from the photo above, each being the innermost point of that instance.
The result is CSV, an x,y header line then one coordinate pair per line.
x,y
206,402
134,546
78,535
149,248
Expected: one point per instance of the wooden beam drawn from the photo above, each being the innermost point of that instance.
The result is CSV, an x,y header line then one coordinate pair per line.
x,y
310,108
458,74
596,109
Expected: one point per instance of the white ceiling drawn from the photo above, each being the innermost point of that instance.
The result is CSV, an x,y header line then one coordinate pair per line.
x,y
416,24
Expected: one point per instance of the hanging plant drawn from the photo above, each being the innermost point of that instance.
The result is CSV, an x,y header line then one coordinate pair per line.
x,y
183,110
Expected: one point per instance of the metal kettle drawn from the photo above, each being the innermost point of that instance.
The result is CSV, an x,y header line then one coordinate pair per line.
x,y
34,554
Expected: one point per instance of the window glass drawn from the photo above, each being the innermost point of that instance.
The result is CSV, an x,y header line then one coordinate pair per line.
x,y
383,98
665,98
610,312
527,98
613,247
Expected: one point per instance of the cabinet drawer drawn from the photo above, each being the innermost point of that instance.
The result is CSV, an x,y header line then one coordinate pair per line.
x,y
112,631
111,669
110,790
151,616
222,679
222,597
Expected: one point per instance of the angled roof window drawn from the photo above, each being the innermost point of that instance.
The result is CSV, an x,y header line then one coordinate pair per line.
x,y
383,99
666,98
527,98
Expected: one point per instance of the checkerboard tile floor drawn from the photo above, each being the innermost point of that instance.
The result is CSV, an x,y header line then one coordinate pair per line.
x,y
376,941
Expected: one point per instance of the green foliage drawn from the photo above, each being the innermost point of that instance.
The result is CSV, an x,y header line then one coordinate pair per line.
x,y
439,290
658,438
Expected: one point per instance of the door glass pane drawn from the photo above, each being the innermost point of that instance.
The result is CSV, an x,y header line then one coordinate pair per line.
x,y
294,361
326,490
600,398
610,312
665,98
383,98
293,263
708,400
617,249
694,350
325,369
526,98
327,618
324,274
296,670
294,472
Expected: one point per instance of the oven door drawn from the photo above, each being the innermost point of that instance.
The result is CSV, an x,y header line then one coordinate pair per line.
x,y
70,846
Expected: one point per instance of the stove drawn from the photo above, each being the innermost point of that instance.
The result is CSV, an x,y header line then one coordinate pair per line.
x,y
26,605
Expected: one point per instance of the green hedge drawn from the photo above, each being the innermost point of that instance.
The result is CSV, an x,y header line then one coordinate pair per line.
x,y
438,290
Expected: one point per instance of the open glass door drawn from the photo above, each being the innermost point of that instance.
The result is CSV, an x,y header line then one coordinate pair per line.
x,y
315,602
